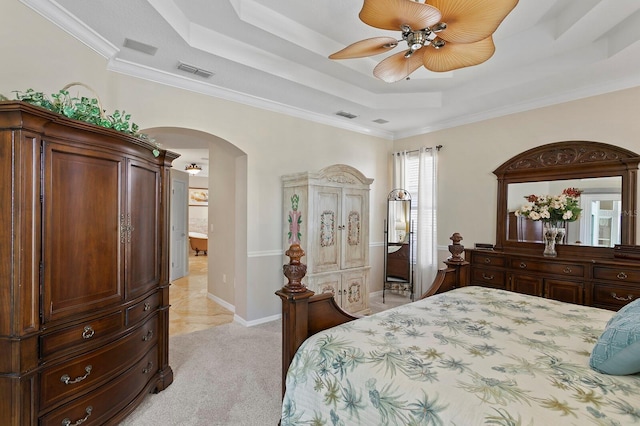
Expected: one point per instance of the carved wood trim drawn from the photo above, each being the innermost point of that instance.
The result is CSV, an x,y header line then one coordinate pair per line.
x,y
563,154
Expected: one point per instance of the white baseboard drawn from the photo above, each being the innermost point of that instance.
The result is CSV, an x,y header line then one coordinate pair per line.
x,y
239,319
221,302
246,323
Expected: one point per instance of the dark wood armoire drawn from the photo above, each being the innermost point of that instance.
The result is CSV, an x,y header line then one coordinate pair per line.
x,y
84,290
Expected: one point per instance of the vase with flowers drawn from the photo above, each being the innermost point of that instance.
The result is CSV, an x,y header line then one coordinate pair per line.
x,y
553,211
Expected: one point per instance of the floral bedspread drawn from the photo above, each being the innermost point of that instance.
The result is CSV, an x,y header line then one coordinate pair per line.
x,y
471,356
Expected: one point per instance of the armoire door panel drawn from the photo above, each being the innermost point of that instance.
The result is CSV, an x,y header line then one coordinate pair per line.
x,y
81,223
354,287
354,255
142,219
328,232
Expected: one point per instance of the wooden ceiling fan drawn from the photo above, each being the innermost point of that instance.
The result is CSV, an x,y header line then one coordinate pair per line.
x,y
442,35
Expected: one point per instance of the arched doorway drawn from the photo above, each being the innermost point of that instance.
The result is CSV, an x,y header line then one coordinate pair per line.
x,y
224,176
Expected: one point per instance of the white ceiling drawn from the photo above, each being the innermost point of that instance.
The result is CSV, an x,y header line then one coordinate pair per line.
x,y
273,54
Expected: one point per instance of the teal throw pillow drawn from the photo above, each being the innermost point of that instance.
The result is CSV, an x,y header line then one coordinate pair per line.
x,y
617,351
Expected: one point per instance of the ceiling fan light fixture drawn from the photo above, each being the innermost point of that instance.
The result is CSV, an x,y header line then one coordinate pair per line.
x,y
416,40
193,169
460,32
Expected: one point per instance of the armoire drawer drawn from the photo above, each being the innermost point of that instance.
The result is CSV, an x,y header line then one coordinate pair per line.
x,y
612,296
558,268
488,278
96,407
81,334
142,309
487,259
621,274
74,376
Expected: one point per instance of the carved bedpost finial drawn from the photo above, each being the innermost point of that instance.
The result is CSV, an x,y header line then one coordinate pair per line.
x,y
294,270
456,248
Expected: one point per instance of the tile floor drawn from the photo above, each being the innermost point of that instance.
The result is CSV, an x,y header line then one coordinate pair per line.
x,y
191,309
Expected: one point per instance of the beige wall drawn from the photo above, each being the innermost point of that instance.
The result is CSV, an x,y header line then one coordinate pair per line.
x,y
467,187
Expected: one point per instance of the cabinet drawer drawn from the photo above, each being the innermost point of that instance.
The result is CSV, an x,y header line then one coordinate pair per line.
x,y
487,278
559,268
612,296
81,334
103,403
486,259
564,291
624,275
142,309
80,373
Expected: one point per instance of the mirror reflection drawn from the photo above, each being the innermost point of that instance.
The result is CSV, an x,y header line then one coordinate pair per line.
x,y
599,224
398,273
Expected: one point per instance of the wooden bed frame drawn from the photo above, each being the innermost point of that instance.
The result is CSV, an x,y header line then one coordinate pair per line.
x,y
305,313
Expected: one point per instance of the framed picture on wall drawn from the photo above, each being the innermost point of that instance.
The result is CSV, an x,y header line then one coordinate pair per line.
x,y
198,197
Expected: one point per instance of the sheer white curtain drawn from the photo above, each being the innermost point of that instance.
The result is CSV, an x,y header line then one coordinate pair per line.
x,y
427,248
416,172
399,170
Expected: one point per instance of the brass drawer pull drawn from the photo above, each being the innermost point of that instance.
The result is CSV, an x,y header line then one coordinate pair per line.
x,y
621,276
148,368
147,336
523,265
622,299
487,260
487,277
67,422
147,306
567,270
67,380
88,332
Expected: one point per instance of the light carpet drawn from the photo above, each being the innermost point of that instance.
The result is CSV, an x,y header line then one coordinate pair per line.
x,y
226,375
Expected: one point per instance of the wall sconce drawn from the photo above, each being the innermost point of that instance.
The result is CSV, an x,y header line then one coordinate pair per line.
x,y
193,169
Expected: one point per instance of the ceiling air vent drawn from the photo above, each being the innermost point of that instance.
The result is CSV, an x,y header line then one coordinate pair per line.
x,y
140,47
194,70
380,121
346,114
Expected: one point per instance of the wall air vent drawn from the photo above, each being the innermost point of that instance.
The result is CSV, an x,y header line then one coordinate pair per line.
x,y
380,121
194,70
346,115
140,47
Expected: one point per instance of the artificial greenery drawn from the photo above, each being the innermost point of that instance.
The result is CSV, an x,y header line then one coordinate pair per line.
x,y
85,109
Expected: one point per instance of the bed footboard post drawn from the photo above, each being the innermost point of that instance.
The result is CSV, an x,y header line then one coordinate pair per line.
x,y
295,308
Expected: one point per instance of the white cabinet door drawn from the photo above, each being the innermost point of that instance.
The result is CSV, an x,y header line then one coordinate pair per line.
x,y
325,235
348,288
354,229
354,291
326,283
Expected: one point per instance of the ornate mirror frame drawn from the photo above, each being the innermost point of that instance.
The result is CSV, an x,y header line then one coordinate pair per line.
x,y
569,160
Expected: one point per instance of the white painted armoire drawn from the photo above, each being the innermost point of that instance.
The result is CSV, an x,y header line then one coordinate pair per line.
x,y
327,213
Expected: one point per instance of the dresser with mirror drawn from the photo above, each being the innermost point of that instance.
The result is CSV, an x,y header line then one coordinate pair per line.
x,y
597,262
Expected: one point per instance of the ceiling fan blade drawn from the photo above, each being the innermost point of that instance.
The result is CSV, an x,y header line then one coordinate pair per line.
x,y
471,21
393,14
458,55
396,67
368,47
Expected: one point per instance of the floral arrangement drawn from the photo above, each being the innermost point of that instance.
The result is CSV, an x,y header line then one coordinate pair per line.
x,y
553,208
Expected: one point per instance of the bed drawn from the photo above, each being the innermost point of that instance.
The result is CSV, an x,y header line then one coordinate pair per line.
x,y
468,356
